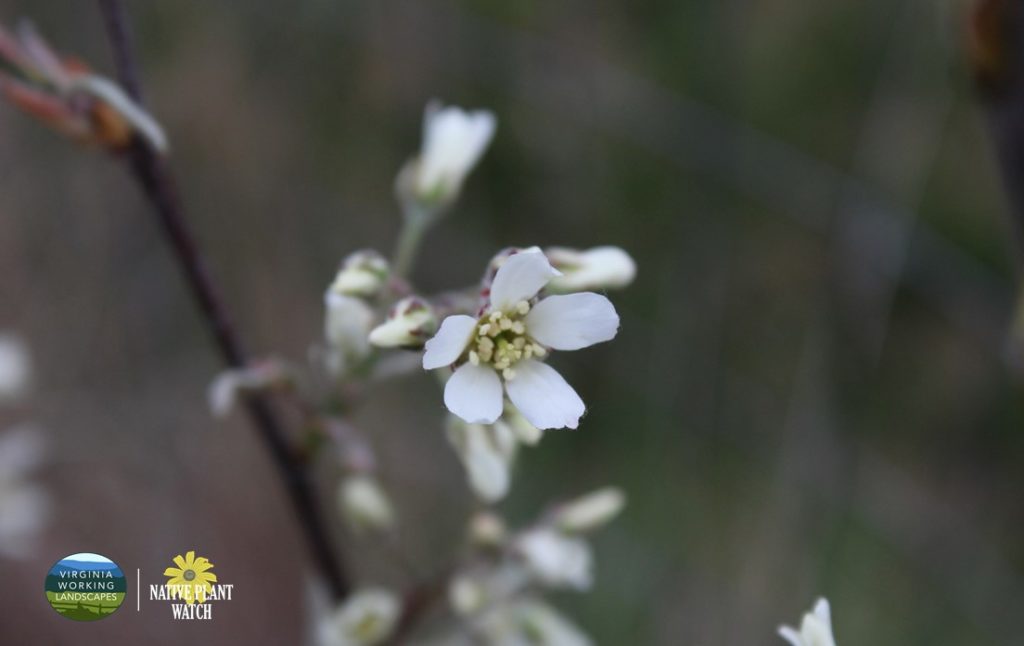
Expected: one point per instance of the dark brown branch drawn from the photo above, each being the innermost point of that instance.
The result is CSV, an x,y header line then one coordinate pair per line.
x,y
157,182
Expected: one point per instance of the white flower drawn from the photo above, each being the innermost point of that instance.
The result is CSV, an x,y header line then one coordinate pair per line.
x,y
530,622
453,142
509,341
224,390
24,506
15,368
815,629
408,324
557,560
597,268
347,328
366,618
487,453
364,504
362,273
590,511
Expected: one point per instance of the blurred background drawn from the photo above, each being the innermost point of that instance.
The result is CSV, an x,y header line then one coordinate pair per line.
x,y
811,392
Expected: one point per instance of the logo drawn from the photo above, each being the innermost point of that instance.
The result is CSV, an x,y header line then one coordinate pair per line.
x,y
85,586
191,587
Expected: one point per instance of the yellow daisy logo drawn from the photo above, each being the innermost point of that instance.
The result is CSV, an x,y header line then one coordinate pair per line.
x,y
192,578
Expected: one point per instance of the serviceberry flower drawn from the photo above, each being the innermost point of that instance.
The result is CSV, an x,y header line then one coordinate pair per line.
x,y
815,629
487,453
347,324
454,140
590,511
597,268
507,343
557,560
366,618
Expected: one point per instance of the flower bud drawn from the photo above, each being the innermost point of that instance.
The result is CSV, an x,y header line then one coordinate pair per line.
x,y
363,273
229,384
487,529
347,328
364,504
367,618
453,142
15,368
466,595
557,560
594,269
487,453
409,324
590,511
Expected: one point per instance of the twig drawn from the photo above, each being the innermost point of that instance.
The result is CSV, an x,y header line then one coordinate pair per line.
x,y
157,182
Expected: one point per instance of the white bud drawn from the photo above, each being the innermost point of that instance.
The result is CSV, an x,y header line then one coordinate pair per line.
x,y
590,511
531,621
409,324
524,431
466,595
24,506
363,273
347,327
225,389
367,618
815,629
364,504
487,453
557,560
598,268
487,529
454,140
15,368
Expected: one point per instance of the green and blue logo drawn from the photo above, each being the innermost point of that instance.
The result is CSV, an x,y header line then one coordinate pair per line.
x,y
85,586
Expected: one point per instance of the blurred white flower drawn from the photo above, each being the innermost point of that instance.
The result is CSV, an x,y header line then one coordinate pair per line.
x,y
364,504
347,328
224,390
15,368
557,560
597,268
487,453
368,617
454,140
409,323
530,622
507,343
524,431
24,506
362,273
815,629
590,511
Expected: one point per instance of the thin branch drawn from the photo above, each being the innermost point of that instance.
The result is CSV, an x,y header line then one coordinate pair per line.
x,y
157,182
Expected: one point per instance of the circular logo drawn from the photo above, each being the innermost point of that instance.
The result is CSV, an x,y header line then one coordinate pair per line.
x,y
85,586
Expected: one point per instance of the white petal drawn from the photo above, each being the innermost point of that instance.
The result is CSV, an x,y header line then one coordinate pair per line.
x,y
449,342
598,268
453,142
520,278
474,394
573,321
488,468
823,611
791,636
543,396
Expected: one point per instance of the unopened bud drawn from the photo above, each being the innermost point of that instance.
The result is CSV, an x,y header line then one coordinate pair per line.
x,y
409,324
598,268
364,504
590,511
362,273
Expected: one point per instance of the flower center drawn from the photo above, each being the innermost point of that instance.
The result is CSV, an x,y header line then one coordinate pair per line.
x,y
501,340
189,575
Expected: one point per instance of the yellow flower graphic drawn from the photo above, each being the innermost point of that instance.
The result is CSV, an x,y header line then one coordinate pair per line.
x,y
191,580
